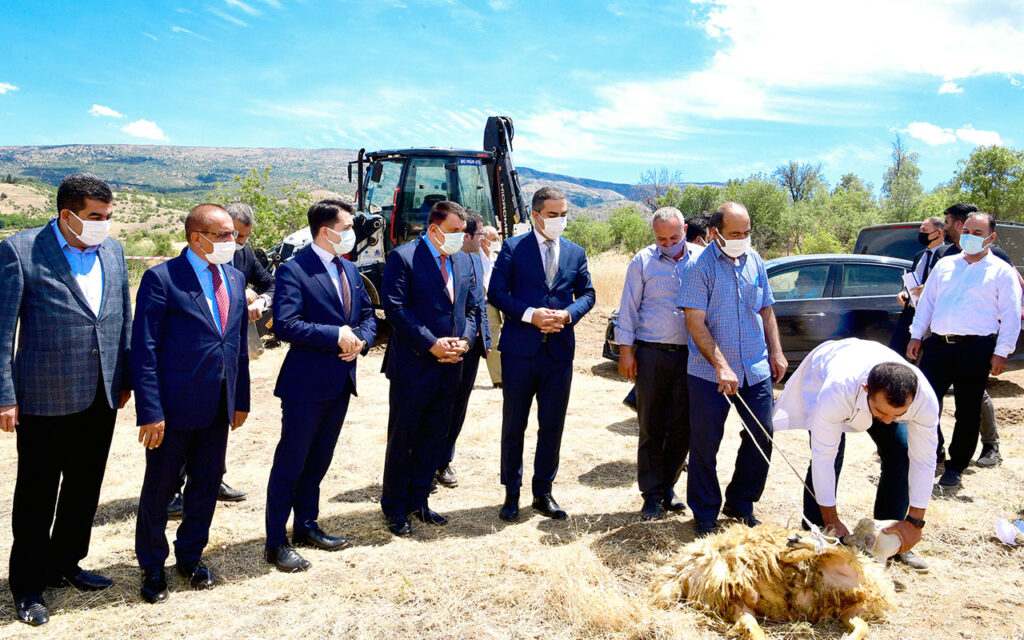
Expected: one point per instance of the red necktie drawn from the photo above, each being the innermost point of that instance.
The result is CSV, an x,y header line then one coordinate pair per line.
x,y
346,293
444,276
220,294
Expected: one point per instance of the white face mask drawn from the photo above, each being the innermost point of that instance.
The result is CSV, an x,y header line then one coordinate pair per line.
x,y
734,248
223,252
452,242
345,243
553,227
495,249
94,232
239,247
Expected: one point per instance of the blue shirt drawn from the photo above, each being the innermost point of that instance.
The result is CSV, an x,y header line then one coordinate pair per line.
x,y
731,293
85,267
648,309
206,282
434,251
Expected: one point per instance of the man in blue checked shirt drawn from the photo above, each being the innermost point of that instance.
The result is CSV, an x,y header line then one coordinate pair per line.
x,y
651,333
735,350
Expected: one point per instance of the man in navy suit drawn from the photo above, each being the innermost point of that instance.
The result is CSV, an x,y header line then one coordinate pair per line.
x,y
541,283
430,299
321,307
66,285
471,360
191,367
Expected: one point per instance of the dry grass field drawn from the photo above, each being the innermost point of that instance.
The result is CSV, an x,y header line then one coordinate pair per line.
x,y
481,578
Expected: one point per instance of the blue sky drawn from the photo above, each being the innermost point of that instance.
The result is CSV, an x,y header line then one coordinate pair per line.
x,y
604,89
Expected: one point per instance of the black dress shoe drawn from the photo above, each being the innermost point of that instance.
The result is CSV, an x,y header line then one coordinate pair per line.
x,y
446,477
32,610
196,573
652,509
316,538
746,518
510,510
287,559
174,507
228,494
547,506
672,503
82,580
705,529
154,585
399,525
426,515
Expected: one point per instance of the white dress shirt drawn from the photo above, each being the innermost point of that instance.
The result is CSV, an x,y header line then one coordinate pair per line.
x,y
332,271
964,299
541,239
488,264
86,269
826,396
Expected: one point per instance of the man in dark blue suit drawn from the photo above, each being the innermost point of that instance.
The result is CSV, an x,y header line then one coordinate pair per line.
x,y
321,307
191,368
471,360
430,300
541,283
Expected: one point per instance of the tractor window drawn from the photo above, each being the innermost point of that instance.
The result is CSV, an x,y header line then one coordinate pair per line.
x,y
380,195
426,183
475,188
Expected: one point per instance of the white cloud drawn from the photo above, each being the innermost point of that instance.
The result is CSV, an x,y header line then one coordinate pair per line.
x,y
500,5
144,129
950,87
230,18
177,29
6,86
238,4
930,133
978,137
272,3
151,36
99,111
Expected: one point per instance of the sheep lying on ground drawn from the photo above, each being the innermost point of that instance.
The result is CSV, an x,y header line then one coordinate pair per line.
x,y
775,573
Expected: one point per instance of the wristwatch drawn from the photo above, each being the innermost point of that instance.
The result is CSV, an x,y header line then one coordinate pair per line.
x,y
914,521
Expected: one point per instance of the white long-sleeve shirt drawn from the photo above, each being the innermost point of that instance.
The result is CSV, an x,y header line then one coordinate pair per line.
x,y
964,299
826,396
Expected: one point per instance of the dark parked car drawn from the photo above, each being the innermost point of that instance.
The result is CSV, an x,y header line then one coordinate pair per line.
x,y
899,240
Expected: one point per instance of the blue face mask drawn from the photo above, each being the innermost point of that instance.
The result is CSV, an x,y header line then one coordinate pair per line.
x,y
973,245
672,251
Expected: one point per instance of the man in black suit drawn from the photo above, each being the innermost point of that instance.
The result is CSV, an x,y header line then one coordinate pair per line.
x,y
931,236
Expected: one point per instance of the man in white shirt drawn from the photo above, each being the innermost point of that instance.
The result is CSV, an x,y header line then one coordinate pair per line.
x,y
971,304
490,246
857,385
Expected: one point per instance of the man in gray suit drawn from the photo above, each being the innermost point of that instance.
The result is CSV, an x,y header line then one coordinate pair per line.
x,y
67,284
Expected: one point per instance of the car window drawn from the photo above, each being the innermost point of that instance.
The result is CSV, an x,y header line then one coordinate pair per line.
x,y
860,280
800,283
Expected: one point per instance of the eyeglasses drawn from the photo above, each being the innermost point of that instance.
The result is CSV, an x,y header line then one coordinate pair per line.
x,y
222,235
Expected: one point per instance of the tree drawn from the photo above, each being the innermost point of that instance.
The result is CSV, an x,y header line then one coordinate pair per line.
x,y
594,236
901,185
654,183
993,178
800,180
691,199
851,182
630,231
275,217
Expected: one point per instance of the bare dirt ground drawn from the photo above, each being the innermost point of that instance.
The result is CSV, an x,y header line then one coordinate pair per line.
x,y
482,578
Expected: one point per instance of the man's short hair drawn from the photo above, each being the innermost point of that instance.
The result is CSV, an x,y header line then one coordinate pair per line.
x,y
665,214
326,211
74,189
960,211
894,379
441,210
474,221
716,218
697,226
987,217
240,213
491,231
196,218
937,222
546,193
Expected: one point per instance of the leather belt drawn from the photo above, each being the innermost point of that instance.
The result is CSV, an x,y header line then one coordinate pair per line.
x,y
951,339
661,346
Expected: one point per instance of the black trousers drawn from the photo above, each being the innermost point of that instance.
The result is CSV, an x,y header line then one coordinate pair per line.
x,y
61,460
965,366
470,365
663,408
202,452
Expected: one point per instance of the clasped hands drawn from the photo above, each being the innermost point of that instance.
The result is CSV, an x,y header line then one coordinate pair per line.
x,y
449,350
350,344
550,320
257,305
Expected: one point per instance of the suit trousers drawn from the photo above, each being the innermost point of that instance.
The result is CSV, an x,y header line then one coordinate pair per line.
x,y
664,413
202,452
708,410
965,366
61,461
470,365
419,416
494,357
309,433
549,381
892,498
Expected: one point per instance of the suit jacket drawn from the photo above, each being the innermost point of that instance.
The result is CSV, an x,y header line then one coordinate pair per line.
x,y
63,347
938,253
518,283
307,313
484,331
256,276
419,309
181,359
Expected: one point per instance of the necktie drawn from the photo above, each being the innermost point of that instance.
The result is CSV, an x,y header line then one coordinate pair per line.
x,y
550,264
346,293
220,295
444,276
927,259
